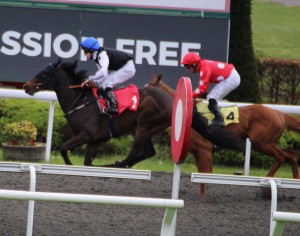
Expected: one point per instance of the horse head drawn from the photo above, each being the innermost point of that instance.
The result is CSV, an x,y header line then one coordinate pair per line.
x,y
42,80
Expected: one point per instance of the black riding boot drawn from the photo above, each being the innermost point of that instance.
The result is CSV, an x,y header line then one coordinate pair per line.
x,y
214,108
113,108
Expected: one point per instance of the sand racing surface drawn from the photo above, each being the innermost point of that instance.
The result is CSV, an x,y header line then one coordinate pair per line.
x,y
225,210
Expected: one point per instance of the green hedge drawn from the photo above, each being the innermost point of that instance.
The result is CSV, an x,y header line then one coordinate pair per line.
x,y
36,112
279,80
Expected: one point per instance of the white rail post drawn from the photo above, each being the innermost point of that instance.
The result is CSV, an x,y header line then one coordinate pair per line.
x,y
49,131
30,213
247,157
273,205
169,221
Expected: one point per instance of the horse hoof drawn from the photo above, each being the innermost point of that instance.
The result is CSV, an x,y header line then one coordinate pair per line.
x,y
119,164
106,166
237,173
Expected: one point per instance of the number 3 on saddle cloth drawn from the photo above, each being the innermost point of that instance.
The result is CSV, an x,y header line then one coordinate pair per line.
x,y
230,114
127,98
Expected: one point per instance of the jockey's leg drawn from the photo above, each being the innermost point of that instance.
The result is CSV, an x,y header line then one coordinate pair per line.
x,y
214,108
113,108
221,90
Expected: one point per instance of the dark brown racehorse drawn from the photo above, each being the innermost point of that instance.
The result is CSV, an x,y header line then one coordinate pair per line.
x,y
262,125
82,113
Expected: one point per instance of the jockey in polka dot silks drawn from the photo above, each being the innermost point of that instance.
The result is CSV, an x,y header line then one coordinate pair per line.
x,y
114,67
222,74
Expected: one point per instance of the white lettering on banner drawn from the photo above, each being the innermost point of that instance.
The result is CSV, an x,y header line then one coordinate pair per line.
x,y
15,47
32,44
47,42
165,51
121,45
145,49
189,47
34,48
65,37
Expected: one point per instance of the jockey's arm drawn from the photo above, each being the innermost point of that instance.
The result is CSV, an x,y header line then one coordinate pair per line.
x,y
102,71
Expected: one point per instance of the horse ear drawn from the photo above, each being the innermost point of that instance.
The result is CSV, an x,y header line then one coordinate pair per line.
x,y
57,62
159,78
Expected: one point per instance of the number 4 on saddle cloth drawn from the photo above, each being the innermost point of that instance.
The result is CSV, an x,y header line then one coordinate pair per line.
x,y
127,98
230,114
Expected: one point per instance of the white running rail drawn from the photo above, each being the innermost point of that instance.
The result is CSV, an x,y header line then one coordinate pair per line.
x,y
277,219
171,205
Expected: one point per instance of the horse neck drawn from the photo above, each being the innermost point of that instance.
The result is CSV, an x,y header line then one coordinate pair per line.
x,y
166,88
66,96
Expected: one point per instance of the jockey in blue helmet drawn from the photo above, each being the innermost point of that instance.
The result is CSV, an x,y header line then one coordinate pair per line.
x,y
90,44
114,68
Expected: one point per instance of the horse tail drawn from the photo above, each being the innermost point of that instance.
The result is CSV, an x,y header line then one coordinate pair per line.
x,y
216,134
292,123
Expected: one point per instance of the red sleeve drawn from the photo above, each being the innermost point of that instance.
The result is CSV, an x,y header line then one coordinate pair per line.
x,y
204,81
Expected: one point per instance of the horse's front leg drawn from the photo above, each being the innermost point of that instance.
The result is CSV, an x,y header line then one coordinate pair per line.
x,y
75,141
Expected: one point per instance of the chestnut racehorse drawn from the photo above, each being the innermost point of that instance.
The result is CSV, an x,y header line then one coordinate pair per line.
x,y
262,125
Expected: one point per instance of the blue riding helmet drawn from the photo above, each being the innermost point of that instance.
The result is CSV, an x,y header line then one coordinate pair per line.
x,y
91,44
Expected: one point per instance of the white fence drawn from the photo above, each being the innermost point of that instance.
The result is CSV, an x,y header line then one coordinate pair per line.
x,y
277,219
171,205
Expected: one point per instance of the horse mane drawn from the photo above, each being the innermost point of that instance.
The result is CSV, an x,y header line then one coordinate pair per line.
x,y
70,68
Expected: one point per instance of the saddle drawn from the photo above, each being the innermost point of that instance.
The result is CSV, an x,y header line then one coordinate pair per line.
x,y
230,114
127,98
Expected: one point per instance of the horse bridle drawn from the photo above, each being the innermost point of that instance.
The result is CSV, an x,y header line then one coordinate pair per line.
x,y
42,85
51,69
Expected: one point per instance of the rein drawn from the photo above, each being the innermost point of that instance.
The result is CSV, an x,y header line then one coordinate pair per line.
x,y
70,87
77,99
74,86
80,107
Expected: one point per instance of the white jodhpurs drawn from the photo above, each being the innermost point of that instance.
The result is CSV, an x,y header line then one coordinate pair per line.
x,y
118,77
223,88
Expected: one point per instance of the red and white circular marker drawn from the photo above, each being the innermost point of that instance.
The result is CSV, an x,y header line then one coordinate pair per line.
x,y
181,120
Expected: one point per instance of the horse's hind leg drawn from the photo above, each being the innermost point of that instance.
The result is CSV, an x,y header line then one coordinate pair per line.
x,y
147,152
91,151
142,149
293,161
280,156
